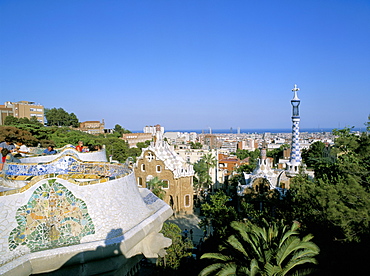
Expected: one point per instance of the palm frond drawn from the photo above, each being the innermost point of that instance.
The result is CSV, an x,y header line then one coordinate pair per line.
x,y
254,268
217,256
227,270
211,269
236,244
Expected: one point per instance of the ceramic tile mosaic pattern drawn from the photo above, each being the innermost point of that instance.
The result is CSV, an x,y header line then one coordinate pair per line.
x,y
53,217
64,165
150,199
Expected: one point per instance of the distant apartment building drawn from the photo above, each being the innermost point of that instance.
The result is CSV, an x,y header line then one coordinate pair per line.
x,y
248,144
153,129
192,156
133,138
92,127
228,163
23,109
210,141
4,112
180,138
229,146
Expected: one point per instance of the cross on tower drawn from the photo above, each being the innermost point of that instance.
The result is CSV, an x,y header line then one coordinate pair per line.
x,y
295,89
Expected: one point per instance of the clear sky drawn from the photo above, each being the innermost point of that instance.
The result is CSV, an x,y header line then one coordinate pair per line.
x,y
190,64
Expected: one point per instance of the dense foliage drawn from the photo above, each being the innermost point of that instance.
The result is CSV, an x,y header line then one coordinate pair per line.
x,y
334,206
178,251
35,134
218,214
202,170
252,157
278,153
156,186
60,117
272,249
196,145
119,130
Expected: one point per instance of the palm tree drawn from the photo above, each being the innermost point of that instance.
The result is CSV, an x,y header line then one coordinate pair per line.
x,y
155,185
268,250
210,162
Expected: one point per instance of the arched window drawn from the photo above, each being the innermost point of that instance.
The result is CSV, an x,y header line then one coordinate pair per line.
x,y
143,167
158,168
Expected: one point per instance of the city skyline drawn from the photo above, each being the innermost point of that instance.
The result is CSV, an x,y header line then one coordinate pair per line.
x,y
190,65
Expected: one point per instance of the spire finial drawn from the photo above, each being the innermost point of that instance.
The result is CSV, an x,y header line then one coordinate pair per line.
x,y
295,89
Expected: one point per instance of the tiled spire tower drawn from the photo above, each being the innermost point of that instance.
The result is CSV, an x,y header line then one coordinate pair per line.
x,y
295,154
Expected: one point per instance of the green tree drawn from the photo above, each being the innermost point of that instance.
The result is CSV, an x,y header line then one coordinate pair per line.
x,y
11,121
252,160
117,148
155,185
141,145
60,117
24,120
196,145
119,130
17,134
313,154
243,153
210,161
218,213
247,168
277,153
341,207
73,120
335,205
270,249
202,179
178,249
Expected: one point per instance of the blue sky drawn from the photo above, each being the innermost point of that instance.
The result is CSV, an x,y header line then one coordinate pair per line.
x,y
190,64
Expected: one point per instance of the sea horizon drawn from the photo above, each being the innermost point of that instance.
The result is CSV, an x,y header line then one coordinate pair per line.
x,y
254,130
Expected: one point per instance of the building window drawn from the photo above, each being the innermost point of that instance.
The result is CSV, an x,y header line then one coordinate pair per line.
x,y
166,184
158,168
143,167
140,181
150,156
187,200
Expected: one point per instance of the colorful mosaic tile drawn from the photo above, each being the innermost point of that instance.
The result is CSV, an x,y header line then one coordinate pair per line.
x,y
150,199
64,165
53,217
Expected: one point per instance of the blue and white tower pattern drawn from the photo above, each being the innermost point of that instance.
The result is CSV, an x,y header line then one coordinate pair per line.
x,y
295,154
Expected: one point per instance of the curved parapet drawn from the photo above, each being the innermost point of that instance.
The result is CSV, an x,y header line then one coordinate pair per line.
x,y
99,155
65,164
56,219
